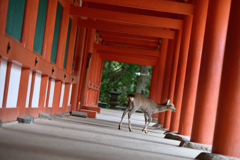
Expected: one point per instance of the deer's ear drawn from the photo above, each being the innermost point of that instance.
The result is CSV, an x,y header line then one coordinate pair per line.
x,y
167,101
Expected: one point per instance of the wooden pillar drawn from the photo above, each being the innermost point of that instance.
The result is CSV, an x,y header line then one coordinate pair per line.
x,y
3,15
173,76
89,49
193,67
49,30
182,64
228,120
78,60
43,92
27,39
167,72
210,72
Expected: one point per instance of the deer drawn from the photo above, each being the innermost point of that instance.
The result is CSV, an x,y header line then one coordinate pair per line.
x,y
147,106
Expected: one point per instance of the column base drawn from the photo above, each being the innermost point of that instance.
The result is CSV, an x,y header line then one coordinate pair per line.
x,y
214,156
67,114
0,124
57,116
26,119
177,137
79,114
198,146
45,115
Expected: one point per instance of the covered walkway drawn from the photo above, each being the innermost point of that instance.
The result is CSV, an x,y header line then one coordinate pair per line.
x,y
87,138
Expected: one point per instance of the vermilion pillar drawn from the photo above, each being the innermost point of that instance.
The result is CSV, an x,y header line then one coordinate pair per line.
x,y
80,42
210,72
173,76
182,64
167,73
193,67
226,135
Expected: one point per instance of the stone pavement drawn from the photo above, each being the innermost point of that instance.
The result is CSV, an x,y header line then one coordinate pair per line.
x,y
86,138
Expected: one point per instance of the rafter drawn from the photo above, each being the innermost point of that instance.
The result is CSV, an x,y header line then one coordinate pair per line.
x,y
126,17
140,30
156,5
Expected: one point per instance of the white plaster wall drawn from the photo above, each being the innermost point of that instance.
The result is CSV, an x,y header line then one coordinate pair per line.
x,y
3,70
51,93
29,88
36,90
70,94
62,94
13,86
46,93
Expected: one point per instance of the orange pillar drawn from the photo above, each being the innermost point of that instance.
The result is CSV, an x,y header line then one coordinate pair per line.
x,y
89,49
210,72
193,67
226,134
182,64
167,72
77,65
173,76
3,15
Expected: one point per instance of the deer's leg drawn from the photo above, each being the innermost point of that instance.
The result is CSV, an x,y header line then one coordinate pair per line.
x,y
149,121
145,116
124,113
129,117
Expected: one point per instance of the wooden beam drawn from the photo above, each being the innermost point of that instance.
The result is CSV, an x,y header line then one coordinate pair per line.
x,y
126,17
125,35
138,30
128,59
130,45
131,41
121,50
156,5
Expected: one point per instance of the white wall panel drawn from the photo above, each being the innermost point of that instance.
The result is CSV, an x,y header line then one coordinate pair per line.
x,y
70,94
13,86
62,94
29,88
3,70
46,93
36,90
51,93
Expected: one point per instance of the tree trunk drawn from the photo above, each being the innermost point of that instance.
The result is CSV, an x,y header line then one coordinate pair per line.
x,y
142,80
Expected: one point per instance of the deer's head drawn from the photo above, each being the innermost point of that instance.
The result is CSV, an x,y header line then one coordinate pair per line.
x,y
170,106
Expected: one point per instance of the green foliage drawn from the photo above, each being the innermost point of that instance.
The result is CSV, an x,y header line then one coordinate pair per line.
x,y
122,77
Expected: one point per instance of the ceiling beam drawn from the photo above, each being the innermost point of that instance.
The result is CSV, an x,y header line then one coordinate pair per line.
x,y
131,41
126,50
156,5
138,30
128,36
141,60
126,17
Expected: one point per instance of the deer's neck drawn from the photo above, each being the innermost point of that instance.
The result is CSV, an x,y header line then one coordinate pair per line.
x,y
161,108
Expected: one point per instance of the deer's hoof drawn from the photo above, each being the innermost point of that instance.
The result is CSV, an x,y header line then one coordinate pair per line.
x,y
145,130
119,127
130,129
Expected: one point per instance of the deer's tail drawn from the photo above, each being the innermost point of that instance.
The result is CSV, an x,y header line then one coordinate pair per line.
x,y
130,98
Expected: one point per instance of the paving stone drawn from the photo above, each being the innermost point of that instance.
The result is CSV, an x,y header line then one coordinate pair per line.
x,y
214,156
57,116
188,144
45,115
26,119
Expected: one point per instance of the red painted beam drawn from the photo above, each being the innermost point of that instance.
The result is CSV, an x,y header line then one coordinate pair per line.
x,y
126,17
156,5
126,50
130,45
131,41
125,35
138,30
